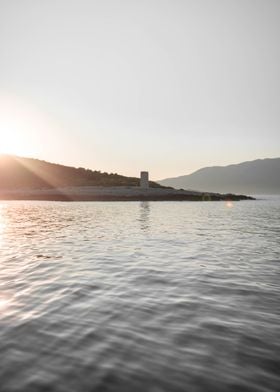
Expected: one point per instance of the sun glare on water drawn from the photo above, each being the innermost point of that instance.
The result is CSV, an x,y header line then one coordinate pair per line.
x,y
4,303
2,224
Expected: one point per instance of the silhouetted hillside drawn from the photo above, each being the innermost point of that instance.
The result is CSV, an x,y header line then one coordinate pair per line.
x,y
255,177
16,172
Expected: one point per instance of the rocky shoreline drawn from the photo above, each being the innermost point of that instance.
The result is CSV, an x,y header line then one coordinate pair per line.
x,y
118,193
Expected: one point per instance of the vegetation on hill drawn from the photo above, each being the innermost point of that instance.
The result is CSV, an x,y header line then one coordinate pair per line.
x,y
16,172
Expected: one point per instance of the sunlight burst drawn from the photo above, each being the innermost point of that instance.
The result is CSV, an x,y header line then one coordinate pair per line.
x,y
11,140
14,123
23,126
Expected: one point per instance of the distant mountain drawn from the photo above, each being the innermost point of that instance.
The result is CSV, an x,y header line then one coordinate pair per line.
x,y
261,176
16,172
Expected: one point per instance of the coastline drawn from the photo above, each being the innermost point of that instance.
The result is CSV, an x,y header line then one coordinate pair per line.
x,y
118,193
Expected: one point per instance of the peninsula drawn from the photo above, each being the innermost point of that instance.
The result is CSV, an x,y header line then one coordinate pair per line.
x,y
33,179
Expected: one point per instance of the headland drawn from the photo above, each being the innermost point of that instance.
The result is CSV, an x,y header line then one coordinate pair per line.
x,y
118,193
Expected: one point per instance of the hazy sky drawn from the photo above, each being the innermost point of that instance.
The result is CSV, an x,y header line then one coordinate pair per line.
x,y
167,86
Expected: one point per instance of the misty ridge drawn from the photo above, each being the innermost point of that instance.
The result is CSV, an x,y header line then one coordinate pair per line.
x,y
260,176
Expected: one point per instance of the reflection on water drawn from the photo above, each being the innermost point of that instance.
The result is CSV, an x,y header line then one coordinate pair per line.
x,y
148,296
2,222
144,215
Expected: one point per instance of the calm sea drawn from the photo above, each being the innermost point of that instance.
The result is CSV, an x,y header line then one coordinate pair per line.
x,y
140,296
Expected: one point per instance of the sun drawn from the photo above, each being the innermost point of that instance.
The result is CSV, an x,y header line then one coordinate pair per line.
x,y
16,121
25,127
12,140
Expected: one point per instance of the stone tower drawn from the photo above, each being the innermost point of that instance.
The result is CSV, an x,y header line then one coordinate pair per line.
x,y
144,179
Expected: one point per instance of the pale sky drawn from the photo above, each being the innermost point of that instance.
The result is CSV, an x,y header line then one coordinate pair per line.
x,y
168,86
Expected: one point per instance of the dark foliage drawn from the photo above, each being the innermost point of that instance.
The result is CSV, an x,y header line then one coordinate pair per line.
x,y
16,172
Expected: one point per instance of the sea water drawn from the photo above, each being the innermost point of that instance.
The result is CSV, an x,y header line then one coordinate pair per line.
x,y
140,296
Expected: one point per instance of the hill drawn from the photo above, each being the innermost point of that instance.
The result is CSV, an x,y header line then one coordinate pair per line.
x,y
28,173
261,176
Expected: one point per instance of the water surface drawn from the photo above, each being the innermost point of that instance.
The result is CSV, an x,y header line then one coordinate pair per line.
x,y
131,296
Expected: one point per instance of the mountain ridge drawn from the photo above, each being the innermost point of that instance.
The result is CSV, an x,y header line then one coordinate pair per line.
x,y
260,176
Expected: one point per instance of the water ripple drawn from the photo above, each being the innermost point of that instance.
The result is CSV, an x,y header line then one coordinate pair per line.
x,y
139,296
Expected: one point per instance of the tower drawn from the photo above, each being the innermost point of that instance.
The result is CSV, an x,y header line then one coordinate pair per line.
x,y
144,179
